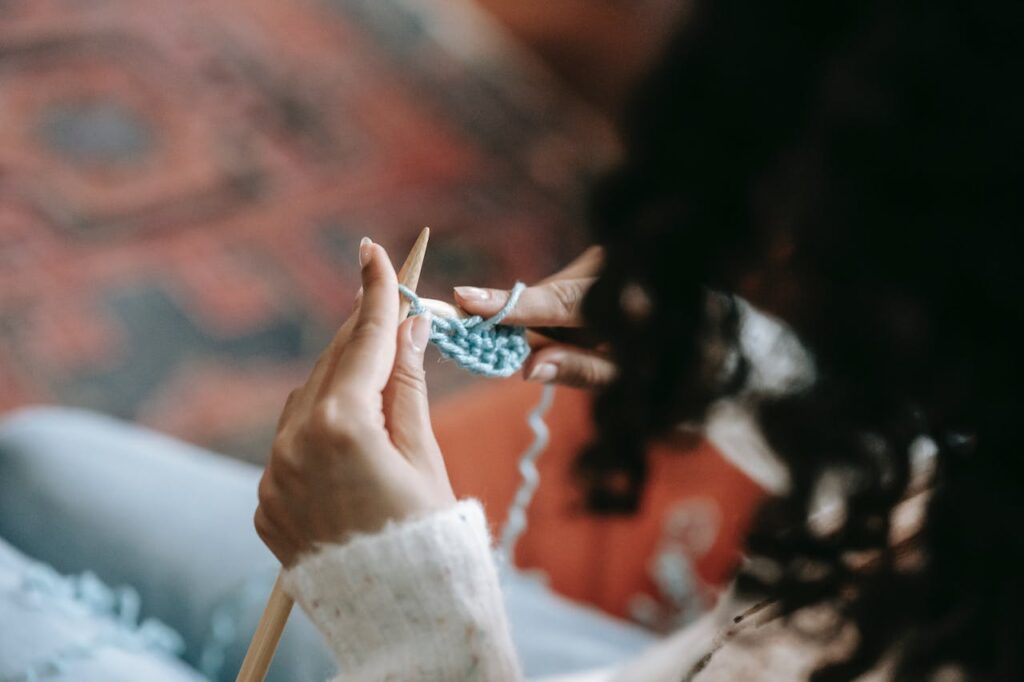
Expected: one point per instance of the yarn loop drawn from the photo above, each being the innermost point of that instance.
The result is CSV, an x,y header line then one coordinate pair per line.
x,y
480,346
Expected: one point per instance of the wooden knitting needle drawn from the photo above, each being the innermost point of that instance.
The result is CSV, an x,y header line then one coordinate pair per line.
x,y
279,605
409,275
442,309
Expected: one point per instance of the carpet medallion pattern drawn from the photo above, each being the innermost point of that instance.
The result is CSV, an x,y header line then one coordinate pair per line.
x,y
183,186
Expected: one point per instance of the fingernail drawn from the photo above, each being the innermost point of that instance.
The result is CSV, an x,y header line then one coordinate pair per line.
x,y
474,294
420,333
542,373
364,251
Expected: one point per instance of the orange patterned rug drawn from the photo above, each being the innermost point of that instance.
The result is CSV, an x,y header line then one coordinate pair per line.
x,y
182,186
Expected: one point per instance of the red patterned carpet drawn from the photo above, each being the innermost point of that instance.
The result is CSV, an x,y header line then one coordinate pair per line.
x,y
182,186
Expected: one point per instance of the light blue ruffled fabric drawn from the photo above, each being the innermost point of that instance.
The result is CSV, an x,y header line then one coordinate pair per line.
x,y
112,616
71,481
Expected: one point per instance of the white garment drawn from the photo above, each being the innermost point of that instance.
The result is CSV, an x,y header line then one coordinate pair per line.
x,y
421,601
418,601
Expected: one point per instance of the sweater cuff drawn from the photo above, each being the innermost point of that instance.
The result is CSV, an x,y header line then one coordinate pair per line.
x,y
419,600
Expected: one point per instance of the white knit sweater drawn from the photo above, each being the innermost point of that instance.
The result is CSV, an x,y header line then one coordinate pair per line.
x,y
418,601
421,601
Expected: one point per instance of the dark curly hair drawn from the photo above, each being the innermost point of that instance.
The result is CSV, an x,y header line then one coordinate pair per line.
x,y
852,167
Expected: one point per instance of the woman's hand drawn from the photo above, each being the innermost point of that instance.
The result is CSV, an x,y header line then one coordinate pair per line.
x,y
551,310
354,446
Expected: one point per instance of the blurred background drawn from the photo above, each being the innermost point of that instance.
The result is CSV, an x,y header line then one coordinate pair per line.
x,y
183,184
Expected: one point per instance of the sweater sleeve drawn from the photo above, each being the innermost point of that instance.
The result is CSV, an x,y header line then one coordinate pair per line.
x,y
418,601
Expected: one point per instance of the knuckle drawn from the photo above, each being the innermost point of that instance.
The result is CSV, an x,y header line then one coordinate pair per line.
x,y
567,296
293,397
590,373
265,492
285,467
290,404
368,328
282,444
602,372
324,417
264,528
283,473
409,377
574,374
332,423
584,373
321,418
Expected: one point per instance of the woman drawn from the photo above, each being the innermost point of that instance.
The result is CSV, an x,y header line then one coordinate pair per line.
x,y
850,168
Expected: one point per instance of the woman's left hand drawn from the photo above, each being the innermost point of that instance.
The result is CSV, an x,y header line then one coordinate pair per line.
x,y
354,447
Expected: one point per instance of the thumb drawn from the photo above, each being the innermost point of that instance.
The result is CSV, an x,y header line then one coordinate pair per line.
x,y
406,409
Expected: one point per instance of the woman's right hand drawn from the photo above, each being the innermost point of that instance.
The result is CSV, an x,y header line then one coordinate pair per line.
x,y
552,305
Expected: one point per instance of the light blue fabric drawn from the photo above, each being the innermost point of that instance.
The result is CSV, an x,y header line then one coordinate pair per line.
x,y
83,492
56,627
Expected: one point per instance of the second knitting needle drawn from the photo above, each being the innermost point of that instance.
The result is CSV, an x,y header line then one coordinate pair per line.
x,y
279,605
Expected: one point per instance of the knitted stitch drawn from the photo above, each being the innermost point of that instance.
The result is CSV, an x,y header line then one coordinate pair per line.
x,y
480,346
442,622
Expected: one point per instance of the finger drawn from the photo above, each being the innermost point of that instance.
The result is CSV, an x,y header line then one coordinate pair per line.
x,y
555,304
364,363
569,336
302,397
570,367
542,337
291,403
536,340
325,363
406,408
277,541
586,264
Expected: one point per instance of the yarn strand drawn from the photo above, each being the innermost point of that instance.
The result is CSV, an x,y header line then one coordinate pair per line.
x,y
488,348
515,524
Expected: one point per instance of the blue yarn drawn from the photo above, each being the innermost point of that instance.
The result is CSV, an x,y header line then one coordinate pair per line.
x,y
480,346
515,523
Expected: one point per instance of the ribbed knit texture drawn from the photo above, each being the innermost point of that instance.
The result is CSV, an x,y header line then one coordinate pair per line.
x,y
418,601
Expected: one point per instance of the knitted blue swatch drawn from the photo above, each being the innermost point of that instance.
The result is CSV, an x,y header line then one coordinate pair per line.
x,y
478,345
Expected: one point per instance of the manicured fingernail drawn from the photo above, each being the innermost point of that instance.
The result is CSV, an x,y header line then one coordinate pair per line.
x,y
472,294
542,373
420,333
364,251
